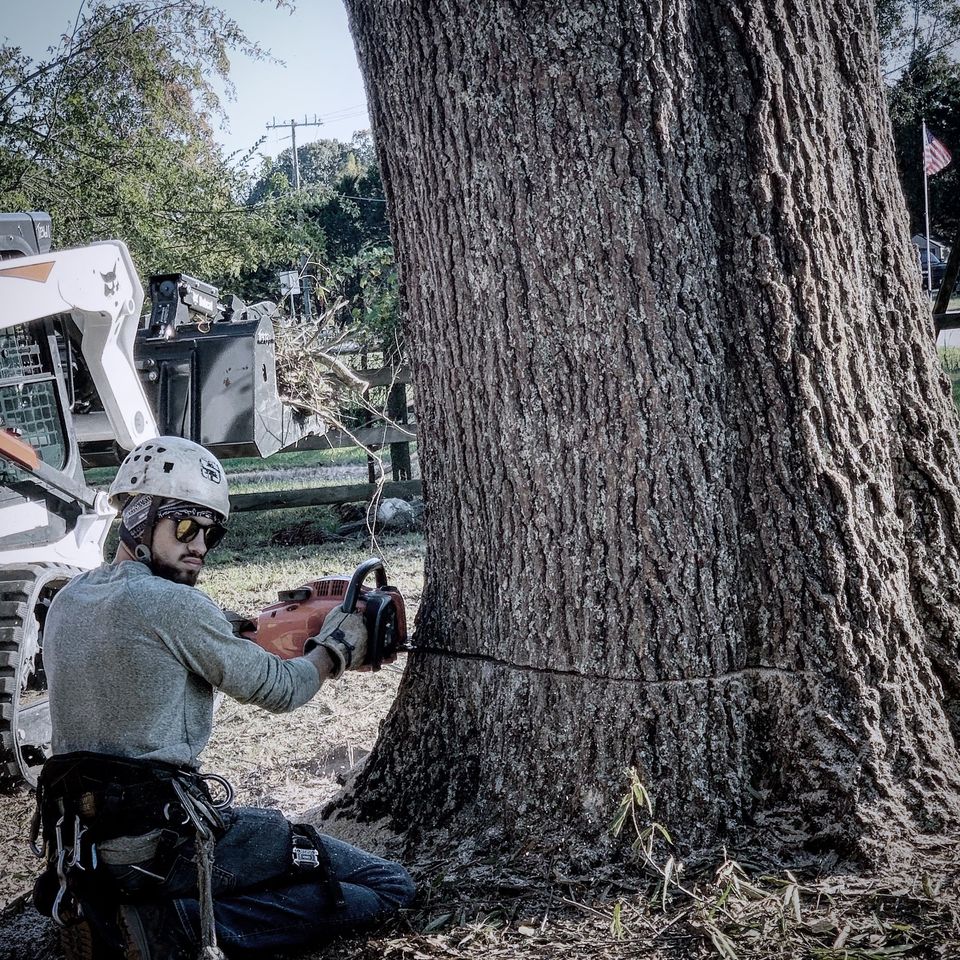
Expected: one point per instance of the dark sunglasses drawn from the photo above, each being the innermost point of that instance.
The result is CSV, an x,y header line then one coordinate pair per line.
x,y
187,529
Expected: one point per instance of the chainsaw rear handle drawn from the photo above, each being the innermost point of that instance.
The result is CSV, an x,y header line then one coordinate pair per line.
x,y
350,598
379,612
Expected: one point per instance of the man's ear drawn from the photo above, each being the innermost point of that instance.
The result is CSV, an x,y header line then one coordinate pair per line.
x,y
123,553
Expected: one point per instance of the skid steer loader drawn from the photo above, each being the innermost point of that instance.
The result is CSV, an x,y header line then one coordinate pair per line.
x,y
79,372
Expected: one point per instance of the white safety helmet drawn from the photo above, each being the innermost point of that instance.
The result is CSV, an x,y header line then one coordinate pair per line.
x,y
174,469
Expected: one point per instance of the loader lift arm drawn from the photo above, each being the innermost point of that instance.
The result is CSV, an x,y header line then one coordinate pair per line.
x,y
52,525
98,287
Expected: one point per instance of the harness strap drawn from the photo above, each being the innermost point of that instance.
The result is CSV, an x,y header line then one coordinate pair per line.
x,y
208,925
308,837
35,823
115,797
86,797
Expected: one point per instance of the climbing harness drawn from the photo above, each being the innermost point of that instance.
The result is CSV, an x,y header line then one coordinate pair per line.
x,y
83,798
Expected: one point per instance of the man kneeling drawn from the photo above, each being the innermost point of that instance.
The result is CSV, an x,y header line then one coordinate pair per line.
x,y
147,856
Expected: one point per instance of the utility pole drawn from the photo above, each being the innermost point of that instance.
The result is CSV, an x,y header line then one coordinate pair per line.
x,y
293,124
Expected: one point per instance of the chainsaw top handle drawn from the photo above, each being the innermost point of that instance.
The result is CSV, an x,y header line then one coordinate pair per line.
x,y
349,604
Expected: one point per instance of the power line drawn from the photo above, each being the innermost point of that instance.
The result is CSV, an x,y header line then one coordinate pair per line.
x,y
350,196
293,124
214,212
345,114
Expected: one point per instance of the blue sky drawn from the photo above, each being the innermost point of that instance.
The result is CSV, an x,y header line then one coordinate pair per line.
x,y
320,75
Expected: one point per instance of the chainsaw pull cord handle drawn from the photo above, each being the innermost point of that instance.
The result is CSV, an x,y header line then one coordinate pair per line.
x,y
350,598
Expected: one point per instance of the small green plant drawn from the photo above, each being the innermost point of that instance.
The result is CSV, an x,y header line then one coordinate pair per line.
x,y
617,929
636,807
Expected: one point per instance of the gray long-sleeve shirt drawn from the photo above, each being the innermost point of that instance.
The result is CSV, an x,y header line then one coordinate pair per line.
x,y
132,660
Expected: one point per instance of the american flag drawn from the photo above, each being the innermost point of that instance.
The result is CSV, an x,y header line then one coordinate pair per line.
x,y
935,155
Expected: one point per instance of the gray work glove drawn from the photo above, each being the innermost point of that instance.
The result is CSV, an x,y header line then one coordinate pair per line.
x,y
344,636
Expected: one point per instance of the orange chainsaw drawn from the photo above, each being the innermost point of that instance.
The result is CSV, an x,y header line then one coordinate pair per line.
x,y
284,627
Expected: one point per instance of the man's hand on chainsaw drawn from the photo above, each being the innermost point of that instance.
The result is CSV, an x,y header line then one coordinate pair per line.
x,y
344,637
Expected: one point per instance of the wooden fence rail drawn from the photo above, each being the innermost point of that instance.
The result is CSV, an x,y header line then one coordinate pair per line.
x,y
371,436
316,496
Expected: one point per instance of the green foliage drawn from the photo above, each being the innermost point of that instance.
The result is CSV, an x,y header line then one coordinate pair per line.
x,y
339,220
322,164
368,283
928,89
379,290
112,134
890,18
911,27
281,236
347,215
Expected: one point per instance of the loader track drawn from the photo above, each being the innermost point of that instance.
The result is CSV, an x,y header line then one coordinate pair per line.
x,y
25,592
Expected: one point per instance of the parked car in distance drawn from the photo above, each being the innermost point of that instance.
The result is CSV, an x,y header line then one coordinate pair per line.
x,y
938,268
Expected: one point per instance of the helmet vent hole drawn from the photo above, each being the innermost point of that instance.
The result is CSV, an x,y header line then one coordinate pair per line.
x,y
160,449
134,479
136,458
167,467
147,458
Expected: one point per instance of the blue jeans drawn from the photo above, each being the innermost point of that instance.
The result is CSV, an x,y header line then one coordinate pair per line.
x,y
260,903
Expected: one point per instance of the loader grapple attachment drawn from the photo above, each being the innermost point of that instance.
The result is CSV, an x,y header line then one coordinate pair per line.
x,y
211,375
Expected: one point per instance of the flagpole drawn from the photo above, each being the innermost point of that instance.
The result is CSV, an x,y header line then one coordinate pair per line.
x,y
926,208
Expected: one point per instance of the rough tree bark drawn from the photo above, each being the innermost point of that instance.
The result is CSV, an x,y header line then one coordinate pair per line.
x,y
690,462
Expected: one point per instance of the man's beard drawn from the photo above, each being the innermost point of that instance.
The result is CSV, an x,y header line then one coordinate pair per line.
x,y
174,574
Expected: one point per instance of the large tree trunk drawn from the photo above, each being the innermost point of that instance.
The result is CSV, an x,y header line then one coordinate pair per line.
x,y
690,462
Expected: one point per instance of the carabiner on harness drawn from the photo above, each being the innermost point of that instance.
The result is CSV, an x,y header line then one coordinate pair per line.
x,y
225,785
66,909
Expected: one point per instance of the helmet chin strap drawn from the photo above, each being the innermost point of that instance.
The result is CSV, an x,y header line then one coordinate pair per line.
x,y
143,552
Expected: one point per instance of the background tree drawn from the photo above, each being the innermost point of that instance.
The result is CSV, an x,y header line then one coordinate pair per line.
x,y
692,480
908,27
918,40
339,220
323,163
112,133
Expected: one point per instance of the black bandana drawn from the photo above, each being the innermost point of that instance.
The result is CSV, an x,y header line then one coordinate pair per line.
x,y
135,515
183,510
